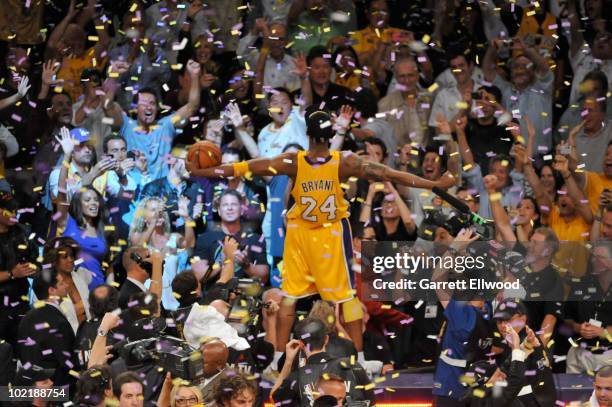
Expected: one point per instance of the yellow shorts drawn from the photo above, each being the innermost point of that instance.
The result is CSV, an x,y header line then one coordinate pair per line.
x,y
318,261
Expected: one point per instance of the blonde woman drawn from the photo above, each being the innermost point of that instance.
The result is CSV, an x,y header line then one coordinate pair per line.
x,y
151,228
179,394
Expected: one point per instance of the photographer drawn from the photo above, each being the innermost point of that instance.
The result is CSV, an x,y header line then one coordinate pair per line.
x,y
102,299
467,333
295,385
492,386
330,390
538,388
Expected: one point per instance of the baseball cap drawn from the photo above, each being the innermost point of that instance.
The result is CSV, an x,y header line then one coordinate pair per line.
x,y
80,134
318,124
509,308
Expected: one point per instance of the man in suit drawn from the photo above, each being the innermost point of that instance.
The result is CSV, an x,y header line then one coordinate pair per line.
x,y
214,355
137,275
45,335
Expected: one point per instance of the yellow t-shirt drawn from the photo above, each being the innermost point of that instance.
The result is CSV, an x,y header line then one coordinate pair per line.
x,y
572,256
368,39
72,68
595,184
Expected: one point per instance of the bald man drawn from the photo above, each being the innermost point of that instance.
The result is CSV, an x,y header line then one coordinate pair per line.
x,y
214,358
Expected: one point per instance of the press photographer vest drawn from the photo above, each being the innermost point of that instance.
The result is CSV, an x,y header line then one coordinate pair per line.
x,y
311,372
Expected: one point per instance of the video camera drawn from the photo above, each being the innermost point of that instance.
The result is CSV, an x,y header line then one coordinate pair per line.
x,y
246,306
172,354
464,218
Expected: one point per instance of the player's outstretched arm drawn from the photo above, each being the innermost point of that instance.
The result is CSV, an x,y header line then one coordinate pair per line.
x,y
283,164
355,166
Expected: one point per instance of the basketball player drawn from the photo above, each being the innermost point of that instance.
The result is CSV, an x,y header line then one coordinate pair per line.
x,y
318,244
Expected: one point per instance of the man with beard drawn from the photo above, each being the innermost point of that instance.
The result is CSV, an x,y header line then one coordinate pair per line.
x,y
149,135
82,170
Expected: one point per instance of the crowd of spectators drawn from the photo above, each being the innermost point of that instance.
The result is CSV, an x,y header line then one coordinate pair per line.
x,y
106,239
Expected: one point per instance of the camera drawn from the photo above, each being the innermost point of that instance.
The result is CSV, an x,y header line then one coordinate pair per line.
x,y
247,305
170,353
453,223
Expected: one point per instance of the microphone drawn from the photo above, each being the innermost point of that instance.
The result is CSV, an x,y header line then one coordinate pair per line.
x,y
456,203
482,227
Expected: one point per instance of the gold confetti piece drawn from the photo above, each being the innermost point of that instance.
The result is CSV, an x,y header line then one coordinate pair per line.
x,y
109,228
461,105
433,87
426,38
479,393
93,38
272,170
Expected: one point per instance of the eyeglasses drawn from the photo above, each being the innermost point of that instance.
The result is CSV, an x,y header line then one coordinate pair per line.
x,y
186,401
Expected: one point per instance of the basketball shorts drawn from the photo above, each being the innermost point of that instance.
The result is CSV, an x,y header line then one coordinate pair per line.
x,y
318,261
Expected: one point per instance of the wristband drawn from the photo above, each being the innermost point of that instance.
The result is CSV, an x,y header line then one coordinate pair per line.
x,y
11,276
241,168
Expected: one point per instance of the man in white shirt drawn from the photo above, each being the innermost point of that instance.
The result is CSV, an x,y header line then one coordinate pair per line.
x,y
279,65
529,92
452,100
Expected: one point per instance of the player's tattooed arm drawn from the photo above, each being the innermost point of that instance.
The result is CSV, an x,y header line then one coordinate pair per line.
x,y
355,166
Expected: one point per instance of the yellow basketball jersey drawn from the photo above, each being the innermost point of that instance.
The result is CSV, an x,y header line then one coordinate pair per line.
x,y
319,198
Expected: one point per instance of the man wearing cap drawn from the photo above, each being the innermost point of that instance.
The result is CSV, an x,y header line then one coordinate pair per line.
x,y
82,170
539,388
298,386
490,384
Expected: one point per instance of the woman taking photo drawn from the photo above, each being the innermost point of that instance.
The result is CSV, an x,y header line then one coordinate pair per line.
x,y
151,228
84,218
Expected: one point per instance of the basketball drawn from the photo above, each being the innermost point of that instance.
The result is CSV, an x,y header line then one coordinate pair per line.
x,y
209,154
